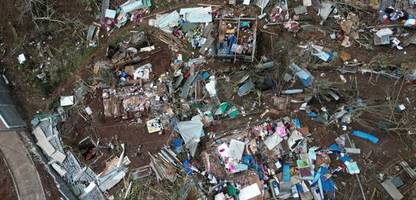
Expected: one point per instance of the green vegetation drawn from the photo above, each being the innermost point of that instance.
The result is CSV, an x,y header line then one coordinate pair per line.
x,y
163,4
145,188
122,34
54,103
92,5
67,59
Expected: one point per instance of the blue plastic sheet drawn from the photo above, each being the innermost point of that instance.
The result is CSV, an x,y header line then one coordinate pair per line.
x,y
299,188
345,158
296,122
361,134
245,88
187,167
328,185
312,114
335,148
205,75
286,173
124,74
177,144
252,164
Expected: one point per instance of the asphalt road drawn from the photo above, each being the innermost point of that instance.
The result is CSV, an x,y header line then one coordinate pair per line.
x,y
24,173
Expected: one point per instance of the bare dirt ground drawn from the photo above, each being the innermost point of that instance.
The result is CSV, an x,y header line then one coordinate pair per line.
x,y
51,191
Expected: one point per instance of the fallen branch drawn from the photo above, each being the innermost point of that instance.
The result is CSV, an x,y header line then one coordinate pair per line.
x,y
49,19
268,32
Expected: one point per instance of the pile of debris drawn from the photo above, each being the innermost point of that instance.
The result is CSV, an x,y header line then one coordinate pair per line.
x,y
84,182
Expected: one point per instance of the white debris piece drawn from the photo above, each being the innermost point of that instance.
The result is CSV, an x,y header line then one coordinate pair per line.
x,y
88,110
246,2
384,32
109,13
21,58
130,6
154,126
382,37
352,150
402,107
352,167
166,21
249,192
211,86
272,141
197,15
61,171
278,165
147,49
67,100
46,146
112,177
307,2
262,4
236,149
143,72
392,190
220,196
294,137
191,132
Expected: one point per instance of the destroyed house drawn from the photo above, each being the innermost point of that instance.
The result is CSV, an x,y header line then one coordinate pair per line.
x,y
8,112
81,180
237,39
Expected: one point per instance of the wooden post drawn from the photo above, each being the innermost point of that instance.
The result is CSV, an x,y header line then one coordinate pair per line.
x,y
238,33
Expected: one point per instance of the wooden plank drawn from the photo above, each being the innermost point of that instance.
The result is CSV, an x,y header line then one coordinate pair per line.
x,y
238,34
411,172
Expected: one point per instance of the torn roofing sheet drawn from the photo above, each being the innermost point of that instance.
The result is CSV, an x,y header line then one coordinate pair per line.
x,y
130,6
197,15
236,149
191,131
165,21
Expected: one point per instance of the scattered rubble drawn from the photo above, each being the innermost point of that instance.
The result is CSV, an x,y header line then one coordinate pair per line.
x,y
236,127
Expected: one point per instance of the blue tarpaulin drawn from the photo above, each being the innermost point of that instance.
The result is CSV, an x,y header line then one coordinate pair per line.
x,y
205,75
328,184
361,134
187,167
245,88
304,75
296,122
345,158
177,144
286,173
312,114
335,148
252,164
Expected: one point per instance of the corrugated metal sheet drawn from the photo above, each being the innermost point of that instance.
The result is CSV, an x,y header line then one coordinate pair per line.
x,y
11,117
8,112
5,99
2,86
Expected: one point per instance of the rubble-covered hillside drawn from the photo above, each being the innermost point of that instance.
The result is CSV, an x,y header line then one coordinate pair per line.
x,y
217,99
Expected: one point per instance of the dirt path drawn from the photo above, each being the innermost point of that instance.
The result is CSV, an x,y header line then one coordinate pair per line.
x,y
22,168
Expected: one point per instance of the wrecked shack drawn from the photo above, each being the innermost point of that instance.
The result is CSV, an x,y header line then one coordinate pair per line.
x,y
237,39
